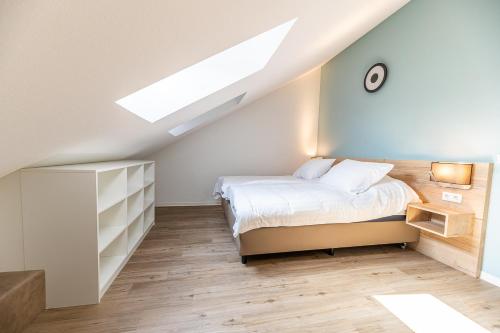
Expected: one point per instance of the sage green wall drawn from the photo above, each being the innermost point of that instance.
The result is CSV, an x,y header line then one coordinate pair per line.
x,y
441,99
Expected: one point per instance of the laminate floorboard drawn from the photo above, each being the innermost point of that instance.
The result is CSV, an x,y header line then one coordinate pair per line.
x,y
187,277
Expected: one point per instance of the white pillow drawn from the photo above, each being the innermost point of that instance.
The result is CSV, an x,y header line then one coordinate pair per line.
x,y
395,188
314,168
354,176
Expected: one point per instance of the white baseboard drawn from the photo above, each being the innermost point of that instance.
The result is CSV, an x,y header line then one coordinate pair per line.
x,y
203,203
495,280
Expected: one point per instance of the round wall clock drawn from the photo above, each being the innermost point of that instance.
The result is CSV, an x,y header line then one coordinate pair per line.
x,y
375,77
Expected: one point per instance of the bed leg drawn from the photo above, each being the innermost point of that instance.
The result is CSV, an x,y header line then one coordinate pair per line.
x,y
244,260
331,252
403,245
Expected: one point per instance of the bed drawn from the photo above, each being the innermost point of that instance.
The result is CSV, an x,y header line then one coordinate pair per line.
x,y
286,214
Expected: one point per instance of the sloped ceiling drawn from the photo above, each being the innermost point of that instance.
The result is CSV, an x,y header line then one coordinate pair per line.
x,y
63,64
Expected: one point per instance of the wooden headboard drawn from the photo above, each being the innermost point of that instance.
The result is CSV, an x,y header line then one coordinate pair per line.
x,y
463,253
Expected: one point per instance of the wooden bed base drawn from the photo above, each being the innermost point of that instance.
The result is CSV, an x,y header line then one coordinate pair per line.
x,y
320,236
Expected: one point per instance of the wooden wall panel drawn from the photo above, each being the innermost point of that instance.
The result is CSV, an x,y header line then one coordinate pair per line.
x,y
463,253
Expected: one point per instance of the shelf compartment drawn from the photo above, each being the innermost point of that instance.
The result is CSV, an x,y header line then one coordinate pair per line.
x,y
149,216
135,178
111,260
108,235
135,232
429,226
112,222
111,188
108,269
135,205
440,221
149,195
149,173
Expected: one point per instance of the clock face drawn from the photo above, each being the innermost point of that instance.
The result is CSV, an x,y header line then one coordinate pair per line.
x,y
375,77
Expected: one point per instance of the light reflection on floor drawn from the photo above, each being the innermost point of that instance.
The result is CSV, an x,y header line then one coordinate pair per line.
x,y
424,313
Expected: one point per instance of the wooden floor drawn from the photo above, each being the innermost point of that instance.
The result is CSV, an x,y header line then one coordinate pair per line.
x,y
187,277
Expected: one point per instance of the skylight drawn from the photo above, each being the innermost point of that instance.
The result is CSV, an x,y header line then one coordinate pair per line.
x,y
207,117
206,77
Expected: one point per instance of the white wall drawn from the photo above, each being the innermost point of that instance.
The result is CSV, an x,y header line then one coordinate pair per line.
x,y
11,228
271,136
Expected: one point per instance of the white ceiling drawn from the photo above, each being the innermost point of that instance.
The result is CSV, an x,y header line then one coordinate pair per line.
x,y
63,64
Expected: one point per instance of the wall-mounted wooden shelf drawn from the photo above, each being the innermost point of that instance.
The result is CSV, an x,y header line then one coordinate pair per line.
x,y
438,220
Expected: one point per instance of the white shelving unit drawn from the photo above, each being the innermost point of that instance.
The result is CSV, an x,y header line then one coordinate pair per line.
x,y
83,222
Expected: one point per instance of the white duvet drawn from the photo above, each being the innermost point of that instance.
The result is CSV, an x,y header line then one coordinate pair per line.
x,y
223,183
296,203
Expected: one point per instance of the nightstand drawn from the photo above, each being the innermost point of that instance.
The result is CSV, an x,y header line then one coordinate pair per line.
x,y
439,220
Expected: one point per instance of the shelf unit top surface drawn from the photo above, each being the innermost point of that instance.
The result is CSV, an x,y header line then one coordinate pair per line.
x,y
92,167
